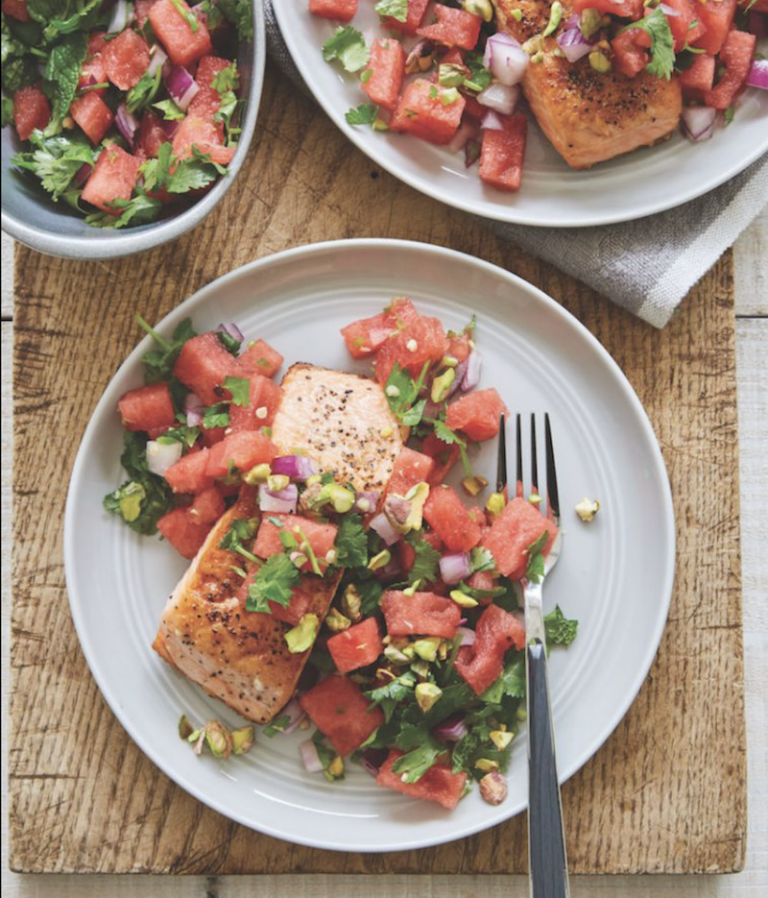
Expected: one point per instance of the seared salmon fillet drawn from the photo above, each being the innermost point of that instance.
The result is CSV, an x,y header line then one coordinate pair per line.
x,y
344,423
588,116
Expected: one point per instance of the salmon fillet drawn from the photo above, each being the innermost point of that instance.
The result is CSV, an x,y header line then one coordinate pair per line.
x,y
241,657
589,117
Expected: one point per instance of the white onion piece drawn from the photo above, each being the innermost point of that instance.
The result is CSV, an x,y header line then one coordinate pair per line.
x,y
127,123
455,568
194,408
573,44
668,11
160,456
472,375
280,501
500,98
293,710
699,122
468,636
158,59
506,59
310,757
382,525
122,14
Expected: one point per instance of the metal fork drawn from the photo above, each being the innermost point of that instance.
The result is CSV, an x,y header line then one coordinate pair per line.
x,y
547,863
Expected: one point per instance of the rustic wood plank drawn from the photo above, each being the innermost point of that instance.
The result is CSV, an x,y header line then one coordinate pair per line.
x,y
83,798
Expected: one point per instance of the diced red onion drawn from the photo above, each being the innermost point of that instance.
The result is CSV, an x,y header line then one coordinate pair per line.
x,y
460,371
382,525
573,43
758,74
501,98
668,11
472,150
158,59
127,123
231,330
468,636
467,131
472,375
699,122
160,456
757,24
505,58
455,568
296,467
122,15
181,86
82,174
372,759
310,757
451,730
293,710
194,408
279,501
367,501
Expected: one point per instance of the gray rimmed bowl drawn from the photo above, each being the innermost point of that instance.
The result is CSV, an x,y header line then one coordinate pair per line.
x,y
31,217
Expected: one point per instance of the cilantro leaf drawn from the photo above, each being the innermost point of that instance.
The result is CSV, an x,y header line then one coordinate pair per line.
x,y
425,561
274,582
183,434
158,363
216,416
365,114
662,43
370,593
171,112
479,76
348,47
278,726
144,91
560,630
351,542
140,209
511,683
414,764
55,160
395,9
240,530
391,694
240,14
239,389
177,176
534,570
402,391
482,560
186,14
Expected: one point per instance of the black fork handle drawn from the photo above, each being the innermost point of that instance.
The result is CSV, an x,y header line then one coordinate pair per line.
x,y
548,871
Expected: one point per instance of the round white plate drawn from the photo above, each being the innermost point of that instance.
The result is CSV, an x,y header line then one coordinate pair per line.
x,y
615,575
552,194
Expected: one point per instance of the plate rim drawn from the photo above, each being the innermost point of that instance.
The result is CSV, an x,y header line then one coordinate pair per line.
x,y
308,251
505,214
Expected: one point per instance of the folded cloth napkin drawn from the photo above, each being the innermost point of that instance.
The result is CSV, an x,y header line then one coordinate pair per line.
x,y
646,266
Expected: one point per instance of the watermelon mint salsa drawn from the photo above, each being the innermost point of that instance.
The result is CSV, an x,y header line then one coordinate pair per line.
x,y
417,670
124,110
441,72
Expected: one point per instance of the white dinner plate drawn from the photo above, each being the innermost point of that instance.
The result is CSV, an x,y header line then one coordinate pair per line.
x,y
552,194
615,575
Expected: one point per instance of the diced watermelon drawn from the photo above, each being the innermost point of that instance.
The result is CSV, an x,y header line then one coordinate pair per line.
x,y
444,455
184,533
438,784
502,153
482,580
625,9
408,555
205,137
92,72
631,52
474,110
113,178
30,111
203,365
321,536
208,506
737,55
126,59
182,44
717,19
339,710
265,399
418,341
365,336
147,408
496,632
460,346
382,78
401,311
299,604
422,113
422,614
141,10
416,12
477,414
340,10
97,41
454,28
410,468
699,76
686,26
207,100
151,135
212,435
93,115
516,528
16,9
356,647
448,517
189,474
240,450
260,358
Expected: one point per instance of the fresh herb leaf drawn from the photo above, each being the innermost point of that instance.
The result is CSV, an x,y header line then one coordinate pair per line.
x,y
365,114
158,363
216,416
402,393
144,91
240,14
481,560
278,726
511,683
171,112
479,76
370,594
177,175
19,72
240,530
145,498
7,111
183,434
62,73
389,696
239,389
274,582
226,83
425,561
186,14
395,9
55,160
559,629
534,570
662,43
414,764
351,542
140,209
348,47
729,115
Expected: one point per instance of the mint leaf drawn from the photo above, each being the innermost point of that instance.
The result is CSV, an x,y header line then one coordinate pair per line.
x,y
62,73
560,630
351,542
365,114
662,43
348,47
274,582
395,9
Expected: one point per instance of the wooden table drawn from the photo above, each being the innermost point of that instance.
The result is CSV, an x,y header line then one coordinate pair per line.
x,y
752,305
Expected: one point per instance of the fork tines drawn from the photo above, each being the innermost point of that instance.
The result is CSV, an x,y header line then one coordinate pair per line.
x,y
553,498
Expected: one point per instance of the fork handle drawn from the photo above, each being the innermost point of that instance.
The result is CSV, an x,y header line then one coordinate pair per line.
x,y
548,870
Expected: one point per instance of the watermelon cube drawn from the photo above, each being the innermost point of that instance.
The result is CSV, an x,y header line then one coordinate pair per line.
x,y
126,59
401,311
16,9
141,10
265,399
438,784
502,153
205,137
339,710
477,414
625,9
242,451
631,51
444,456
684,22
483,580
97,41
207,100
454,28
189,473
203,365
260,358
699,76
92,72
460,346
416,11
208,506
212,435
428,111
30,111
410,468
496,632
422,614
302,601
183,44
356,647
151,136
340,10
418,341
516,528
382,78
93,115
184,533
717,18
113,178
736,55
448,517
320,536
147,408
365,336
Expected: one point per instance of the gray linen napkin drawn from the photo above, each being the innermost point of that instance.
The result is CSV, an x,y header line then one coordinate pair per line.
x,y
646,266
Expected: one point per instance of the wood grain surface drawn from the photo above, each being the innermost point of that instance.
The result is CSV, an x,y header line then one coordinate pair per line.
x,y
84,799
